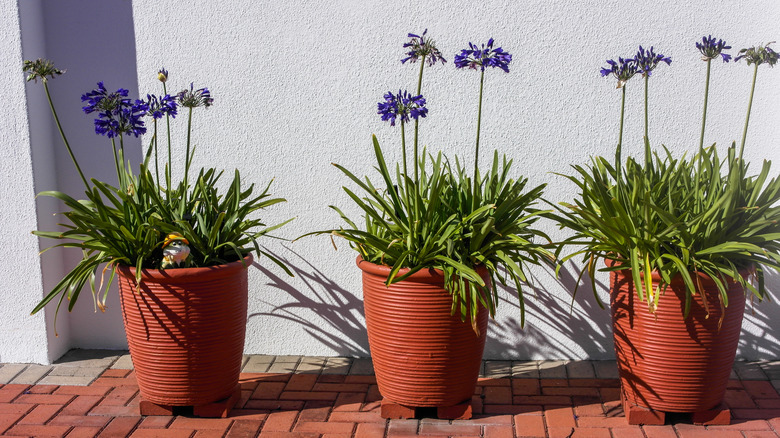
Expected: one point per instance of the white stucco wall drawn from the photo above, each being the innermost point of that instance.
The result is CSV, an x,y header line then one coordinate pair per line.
x,y
22,337
65,32
93,41
296,86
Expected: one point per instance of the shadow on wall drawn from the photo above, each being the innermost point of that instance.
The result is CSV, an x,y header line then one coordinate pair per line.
x,y
555,327
340,322
760,338
93,40
557,331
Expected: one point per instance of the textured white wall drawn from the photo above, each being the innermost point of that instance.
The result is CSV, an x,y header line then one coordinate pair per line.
x,y
20,267
296,85
65,32
93,40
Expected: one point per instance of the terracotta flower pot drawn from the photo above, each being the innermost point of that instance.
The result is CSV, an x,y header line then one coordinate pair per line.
x,y
185,329
669,363
423,356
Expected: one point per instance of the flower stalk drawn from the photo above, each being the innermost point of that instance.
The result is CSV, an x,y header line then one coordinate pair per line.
x,y
43,69
422,49
479,126
619,148
168,168
64,138
704,112
476,57
755,55
747,116
417,123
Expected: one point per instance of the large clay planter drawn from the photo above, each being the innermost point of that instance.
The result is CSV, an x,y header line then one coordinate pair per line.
x,y
185,329
423,356
667,362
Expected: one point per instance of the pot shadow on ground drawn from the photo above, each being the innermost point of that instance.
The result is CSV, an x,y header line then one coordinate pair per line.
x,y
339,323
554,329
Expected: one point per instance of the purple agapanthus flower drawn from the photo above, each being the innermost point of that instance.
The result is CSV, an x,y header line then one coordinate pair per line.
x,y
648,60
422,47
759,55
623,70
193,98
475,57
402,105
125,120
710,49
100,99
160,106
117,114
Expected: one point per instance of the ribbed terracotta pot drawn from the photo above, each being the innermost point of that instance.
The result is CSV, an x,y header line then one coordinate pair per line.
x,y
667,362
185,329
423,356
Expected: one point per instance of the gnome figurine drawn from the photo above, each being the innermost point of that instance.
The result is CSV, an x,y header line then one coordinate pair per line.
x,y
176,251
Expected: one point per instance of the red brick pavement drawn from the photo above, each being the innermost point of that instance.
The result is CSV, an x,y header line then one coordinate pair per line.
x,y
330,406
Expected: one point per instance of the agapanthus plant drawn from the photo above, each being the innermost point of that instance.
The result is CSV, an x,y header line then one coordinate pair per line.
x,y
440,217
128,225
677,216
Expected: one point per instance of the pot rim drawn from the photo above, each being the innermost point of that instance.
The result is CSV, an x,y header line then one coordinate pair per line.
x,y
677,279
181,275
427,275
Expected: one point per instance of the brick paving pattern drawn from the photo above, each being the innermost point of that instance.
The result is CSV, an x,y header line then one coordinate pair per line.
x,y
94,394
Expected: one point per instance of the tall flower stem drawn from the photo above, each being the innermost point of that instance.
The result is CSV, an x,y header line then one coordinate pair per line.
x,y
65,139
618,149
403,147
116,163
122,153
750,105
701,138
479,125
417,122
704,112
647,129
170,162
156,165
187,156
406,175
